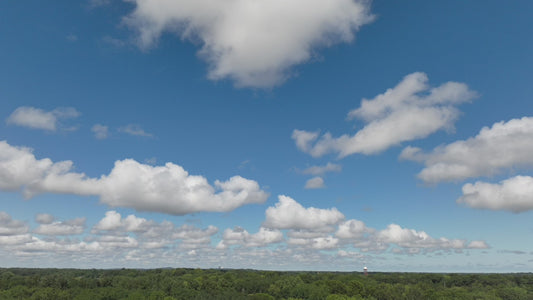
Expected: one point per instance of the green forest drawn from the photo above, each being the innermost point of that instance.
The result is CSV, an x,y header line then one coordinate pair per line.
x,y
166,284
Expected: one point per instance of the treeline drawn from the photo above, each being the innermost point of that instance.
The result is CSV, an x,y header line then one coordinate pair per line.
x,y
167,284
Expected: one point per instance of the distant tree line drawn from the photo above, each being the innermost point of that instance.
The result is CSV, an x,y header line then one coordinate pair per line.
x,y
167,284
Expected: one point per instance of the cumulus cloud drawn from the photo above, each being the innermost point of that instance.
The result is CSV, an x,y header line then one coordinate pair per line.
x,y
48,226
255,44
239,236
36,118
122,241
44,218
319,243
9,227
410,238
100,131
315,183
502,146
352,229
289,214
514,194
167,189
478,245
411,110
152,234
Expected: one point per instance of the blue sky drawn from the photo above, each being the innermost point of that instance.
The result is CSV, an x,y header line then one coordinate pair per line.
x,y
322,135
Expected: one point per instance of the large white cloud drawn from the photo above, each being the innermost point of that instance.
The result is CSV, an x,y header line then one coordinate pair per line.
x,y
167,189
36,118
502,146
514,194
254,43
289,214
409,111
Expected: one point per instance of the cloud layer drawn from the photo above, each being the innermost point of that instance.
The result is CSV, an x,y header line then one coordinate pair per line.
x,y
253,43
409,111
504,145
290,234
166,189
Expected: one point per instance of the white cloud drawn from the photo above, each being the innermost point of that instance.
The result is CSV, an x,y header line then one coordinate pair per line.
x,y
19,167
478,245
167,189
44,218
410,238
315,183
9,227
152,235
128,241
352,229
411,110
239,236
36,118
133,129
514,194
504,145
321,170
255,44
69,227
318,243
100,131
289,214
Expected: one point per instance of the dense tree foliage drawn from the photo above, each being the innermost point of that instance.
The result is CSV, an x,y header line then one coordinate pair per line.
x,y
167,284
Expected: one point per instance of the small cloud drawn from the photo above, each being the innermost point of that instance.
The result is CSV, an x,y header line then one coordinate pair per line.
x,y
98,3
243,164
117,43
72,37
100,131
151,160
36,118
321,170
133,129
315,183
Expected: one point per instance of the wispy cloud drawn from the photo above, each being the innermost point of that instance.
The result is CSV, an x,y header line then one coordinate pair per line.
x,y
321,170
133,129
100,131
